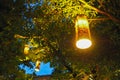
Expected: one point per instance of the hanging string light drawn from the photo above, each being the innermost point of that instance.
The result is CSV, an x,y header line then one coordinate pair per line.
x,y
37,65
83,37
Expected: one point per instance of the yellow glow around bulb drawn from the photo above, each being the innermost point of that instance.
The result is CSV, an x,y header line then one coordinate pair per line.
x,y
83,43
81,22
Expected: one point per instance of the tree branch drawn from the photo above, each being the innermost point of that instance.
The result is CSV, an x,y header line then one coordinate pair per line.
x,y
100,11
98,19
24,37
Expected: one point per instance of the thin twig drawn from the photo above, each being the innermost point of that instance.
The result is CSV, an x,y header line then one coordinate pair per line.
x,y
98,19
100,11
24,37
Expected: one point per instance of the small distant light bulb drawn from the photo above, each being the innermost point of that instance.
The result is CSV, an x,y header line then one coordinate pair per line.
x,y
83,43
26,49
37,67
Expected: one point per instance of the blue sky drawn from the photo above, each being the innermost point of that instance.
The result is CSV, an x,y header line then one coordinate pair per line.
x,y
45,69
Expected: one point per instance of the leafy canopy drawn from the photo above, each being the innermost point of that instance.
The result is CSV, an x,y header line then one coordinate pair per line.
x,y
47,26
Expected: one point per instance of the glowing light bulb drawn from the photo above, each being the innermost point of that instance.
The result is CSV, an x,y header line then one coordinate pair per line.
x,y
26,49
37,67
83,43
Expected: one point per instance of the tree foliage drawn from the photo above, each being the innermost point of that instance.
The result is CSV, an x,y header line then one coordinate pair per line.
x,y
47,26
